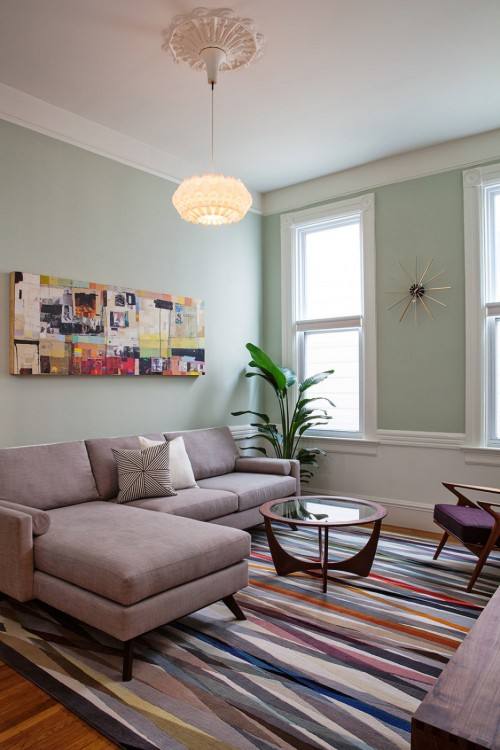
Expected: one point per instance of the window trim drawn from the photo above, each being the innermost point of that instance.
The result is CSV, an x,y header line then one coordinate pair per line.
x,y
479,365
364,207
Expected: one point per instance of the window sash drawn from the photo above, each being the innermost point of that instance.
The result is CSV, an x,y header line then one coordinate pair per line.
x,y
319,325
295,325
302,231
490,313
325,432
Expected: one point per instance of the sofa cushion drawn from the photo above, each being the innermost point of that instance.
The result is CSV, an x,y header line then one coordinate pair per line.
x,y
212,452
471,525
128,554
203,505
47,476
100,452
252,489
143,472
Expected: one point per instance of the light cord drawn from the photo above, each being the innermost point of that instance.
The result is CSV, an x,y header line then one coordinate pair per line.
x,y
212,126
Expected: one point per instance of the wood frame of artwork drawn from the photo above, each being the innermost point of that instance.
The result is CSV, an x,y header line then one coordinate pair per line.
x,y
61,326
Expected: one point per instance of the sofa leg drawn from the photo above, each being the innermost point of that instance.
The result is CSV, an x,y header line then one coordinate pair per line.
x,y
235,608
128,660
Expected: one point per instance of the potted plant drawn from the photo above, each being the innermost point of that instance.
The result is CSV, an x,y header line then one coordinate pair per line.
x,y
295,417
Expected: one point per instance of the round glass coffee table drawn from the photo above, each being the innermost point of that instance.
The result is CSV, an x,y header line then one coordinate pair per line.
x,y
323,512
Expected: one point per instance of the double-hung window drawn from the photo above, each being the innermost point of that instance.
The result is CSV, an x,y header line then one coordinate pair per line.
x,y
482,277
328,300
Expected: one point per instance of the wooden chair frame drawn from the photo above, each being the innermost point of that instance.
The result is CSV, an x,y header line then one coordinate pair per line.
x,y
480,550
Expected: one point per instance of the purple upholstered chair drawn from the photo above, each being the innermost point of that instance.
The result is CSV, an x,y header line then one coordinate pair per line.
x,y
475,524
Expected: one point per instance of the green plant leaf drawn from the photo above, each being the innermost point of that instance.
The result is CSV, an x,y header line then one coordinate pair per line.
x,y
290,376
267,378
314,380
254,448
303,402
261,415
264,362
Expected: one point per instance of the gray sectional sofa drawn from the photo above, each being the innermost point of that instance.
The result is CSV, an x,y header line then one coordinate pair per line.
x,y
127,569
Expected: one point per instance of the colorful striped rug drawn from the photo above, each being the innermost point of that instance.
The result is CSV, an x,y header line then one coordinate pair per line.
x,y
306,670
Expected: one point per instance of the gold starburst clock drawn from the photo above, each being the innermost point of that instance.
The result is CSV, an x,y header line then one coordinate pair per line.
x,y
419,295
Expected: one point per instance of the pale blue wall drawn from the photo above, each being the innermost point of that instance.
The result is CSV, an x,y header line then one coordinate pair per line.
x,y
421,369
67,212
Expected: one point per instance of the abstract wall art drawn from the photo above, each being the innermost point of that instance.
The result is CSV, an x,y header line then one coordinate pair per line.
x,y
66,327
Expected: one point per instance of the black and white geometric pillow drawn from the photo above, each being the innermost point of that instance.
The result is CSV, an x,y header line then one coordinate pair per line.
x,y
143,473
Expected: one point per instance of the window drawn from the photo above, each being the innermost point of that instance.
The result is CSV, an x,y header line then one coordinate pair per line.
x,y
328,294
482,256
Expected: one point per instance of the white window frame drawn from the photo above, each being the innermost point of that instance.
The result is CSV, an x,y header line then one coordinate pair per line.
x,y
364,208
479,313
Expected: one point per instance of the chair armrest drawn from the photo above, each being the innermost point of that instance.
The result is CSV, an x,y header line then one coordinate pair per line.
x,y
16,554
40,519
462,499
475,487
261,465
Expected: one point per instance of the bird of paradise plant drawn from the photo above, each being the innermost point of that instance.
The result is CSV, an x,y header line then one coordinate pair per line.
x,y
295,418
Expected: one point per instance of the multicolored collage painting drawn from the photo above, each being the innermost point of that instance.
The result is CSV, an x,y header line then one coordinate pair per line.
x,y
67,327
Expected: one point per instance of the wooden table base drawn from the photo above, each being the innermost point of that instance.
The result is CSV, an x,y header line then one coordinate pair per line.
x,y
360,563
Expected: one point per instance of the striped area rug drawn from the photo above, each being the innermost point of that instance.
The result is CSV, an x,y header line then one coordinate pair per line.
x,y
306,670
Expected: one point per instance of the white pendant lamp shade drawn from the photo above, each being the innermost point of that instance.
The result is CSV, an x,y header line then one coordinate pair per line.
x,y
212,40
212,199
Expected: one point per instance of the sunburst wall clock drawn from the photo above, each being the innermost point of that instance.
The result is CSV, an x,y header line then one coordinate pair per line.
x,y
419,294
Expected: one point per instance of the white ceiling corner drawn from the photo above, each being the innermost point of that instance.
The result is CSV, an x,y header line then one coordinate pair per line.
x,y
339,84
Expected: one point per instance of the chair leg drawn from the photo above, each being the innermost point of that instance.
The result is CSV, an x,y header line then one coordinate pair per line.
x,y
440,546
479,566
128,660
233,605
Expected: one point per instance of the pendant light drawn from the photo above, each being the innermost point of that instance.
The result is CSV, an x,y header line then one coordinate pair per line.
x,y
213,40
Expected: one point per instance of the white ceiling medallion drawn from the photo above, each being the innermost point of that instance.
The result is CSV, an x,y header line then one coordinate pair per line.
x,y
212,40
189,34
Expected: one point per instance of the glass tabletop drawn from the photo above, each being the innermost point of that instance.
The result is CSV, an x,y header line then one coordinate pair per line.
x,y
322,509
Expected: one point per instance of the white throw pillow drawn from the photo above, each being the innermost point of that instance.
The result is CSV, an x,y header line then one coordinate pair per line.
x,y
180,467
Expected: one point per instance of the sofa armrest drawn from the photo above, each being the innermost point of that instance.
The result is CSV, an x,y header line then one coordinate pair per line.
x,y
40,519
295,472
261,465
16,554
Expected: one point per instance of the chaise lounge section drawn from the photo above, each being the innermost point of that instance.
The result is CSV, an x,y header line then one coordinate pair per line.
x,y
127,569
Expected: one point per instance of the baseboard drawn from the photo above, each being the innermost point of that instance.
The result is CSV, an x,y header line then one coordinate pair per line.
x,y
399,512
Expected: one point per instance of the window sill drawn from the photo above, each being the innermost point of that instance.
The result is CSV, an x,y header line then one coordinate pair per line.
x,y
481,456
333,444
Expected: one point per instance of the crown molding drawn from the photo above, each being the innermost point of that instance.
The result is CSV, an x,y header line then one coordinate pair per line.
x,y
456,154
36,114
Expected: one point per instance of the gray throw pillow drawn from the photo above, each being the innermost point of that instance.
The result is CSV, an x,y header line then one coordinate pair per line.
x,y
143,473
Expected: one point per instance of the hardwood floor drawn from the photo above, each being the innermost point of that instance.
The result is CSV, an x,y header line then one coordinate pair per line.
x,y
31,720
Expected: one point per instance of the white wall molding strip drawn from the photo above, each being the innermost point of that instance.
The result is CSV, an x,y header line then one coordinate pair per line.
x,y
36,114
456,154
450,440
359,446
245,431
482,456
404,438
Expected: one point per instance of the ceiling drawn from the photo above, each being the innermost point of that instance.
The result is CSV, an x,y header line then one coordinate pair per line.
x,y
341,82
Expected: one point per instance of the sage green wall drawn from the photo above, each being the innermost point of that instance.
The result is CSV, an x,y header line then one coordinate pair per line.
x,y
421,368
70,213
